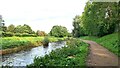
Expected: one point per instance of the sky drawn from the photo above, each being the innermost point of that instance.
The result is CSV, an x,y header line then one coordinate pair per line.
x,y
41,14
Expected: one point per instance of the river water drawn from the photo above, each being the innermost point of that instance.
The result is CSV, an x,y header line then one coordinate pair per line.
x,y
26,57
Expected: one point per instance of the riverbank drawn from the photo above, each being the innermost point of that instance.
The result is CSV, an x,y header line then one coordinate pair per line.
x,y
15,44
74,54
26,57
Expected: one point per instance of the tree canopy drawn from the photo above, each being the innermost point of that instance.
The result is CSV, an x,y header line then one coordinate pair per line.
x,y
59,31
98,19
11,28
23,29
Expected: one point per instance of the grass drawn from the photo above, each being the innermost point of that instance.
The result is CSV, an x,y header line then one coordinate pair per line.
x,y
73,55
89,38
12,42
109,41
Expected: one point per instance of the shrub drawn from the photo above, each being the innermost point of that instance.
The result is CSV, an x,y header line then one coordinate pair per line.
x,y
18,34
7,34
25,35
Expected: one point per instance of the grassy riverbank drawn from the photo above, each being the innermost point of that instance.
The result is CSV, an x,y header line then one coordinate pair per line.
x,y
73,55
15,44
109,41
11,42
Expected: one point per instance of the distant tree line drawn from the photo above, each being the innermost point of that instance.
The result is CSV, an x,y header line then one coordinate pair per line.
x,y
98,19
19,30
26,31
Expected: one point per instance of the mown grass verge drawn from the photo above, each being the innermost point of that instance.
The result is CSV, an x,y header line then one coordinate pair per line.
x,y
109,41
73,55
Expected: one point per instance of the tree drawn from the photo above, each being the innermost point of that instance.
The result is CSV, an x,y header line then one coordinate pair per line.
x,y
41,33
1,20
99,18
69,34
59,31
2,25
76,30
24,29
11,28
78,27
19,29
4,28
27,29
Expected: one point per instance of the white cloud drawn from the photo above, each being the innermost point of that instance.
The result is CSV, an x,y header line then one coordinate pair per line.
x,y
41,14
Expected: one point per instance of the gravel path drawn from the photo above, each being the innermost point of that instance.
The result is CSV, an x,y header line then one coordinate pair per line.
x,y
100,56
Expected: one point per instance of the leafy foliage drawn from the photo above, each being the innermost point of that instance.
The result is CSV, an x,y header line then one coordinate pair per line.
x,y
78,27
98,19
72,55
3,28
11,28
20,31
23,29
59,31
7,34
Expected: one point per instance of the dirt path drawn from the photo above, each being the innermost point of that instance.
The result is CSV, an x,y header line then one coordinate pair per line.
x,y
100,56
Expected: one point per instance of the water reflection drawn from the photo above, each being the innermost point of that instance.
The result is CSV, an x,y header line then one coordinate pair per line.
x,y
26,57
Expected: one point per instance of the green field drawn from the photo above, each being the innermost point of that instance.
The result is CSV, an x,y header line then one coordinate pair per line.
x,y
12,42
73,55
109,41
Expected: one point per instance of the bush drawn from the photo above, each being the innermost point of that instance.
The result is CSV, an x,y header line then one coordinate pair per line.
x,y
7,34
18,34
33,35
69,35
25,35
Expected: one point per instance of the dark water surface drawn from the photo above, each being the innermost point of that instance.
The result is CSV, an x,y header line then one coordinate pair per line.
x,y
26,57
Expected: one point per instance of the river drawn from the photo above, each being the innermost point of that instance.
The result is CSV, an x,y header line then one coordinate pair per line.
x,y
26,57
